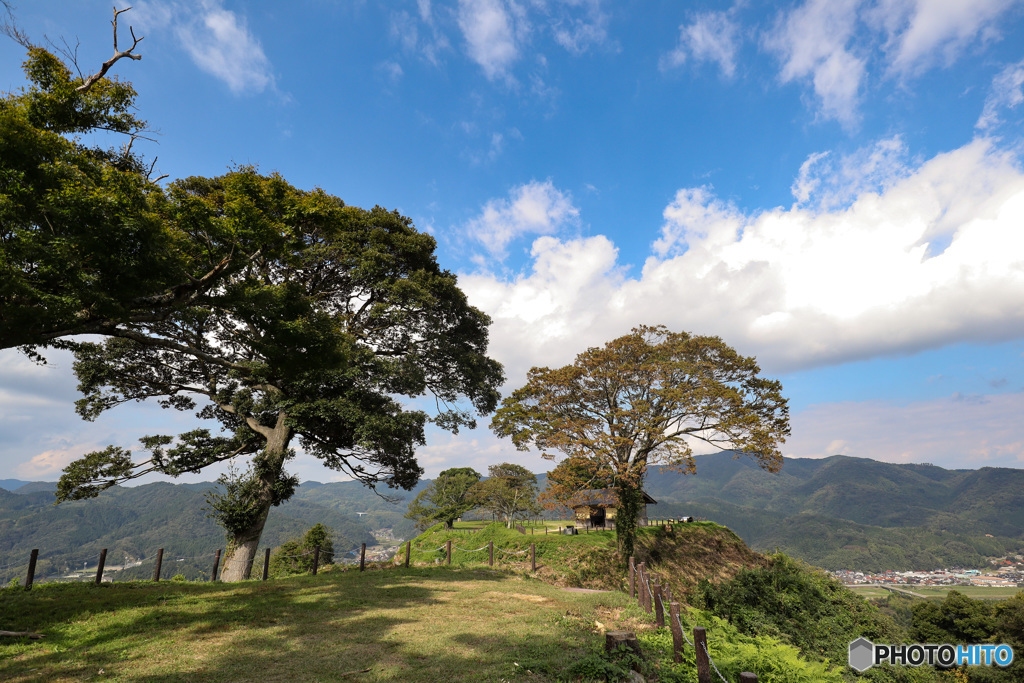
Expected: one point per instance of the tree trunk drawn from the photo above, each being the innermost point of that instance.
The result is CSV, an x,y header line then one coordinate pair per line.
x,y
245,542
630,501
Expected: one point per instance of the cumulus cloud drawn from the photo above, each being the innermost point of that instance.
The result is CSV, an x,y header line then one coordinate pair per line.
x,y
812,43
537,208
948,432
218,41
712,37
1007,93
927,254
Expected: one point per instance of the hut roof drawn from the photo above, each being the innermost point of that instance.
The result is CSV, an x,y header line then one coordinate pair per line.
x,y
602,498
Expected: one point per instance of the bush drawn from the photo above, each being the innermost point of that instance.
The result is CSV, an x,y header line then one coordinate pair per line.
x,y
296,556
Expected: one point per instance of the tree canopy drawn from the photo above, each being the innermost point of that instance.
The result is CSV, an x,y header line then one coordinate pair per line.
x,y
509,491
572,475
445,499
340,311
640,400
84,243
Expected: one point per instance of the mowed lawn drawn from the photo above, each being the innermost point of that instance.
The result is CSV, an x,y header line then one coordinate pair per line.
x,y
395,624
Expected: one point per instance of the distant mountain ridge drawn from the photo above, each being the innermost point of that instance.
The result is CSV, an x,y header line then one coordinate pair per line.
x,y
845,512
836,512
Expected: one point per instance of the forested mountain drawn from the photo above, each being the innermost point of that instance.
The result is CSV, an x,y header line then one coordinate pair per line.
x,y
843,512
133,522
836,512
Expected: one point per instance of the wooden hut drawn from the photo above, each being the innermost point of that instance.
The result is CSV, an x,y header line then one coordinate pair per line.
x,y
597,507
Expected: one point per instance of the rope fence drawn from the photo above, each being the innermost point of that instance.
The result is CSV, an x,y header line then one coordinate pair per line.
x,y
651,593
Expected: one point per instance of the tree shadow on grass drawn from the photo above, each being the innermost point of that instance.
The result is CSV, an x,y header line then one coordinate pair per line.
x,y
345,626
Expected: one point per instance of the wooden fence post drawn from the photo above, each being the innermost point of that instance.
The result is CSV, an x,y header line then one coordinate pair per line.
x,y
266,564
747,677
659,606
700,644
362,557
159,564
632,577
33,556
641,576
448,549
490,553
316,559
533,557
677,632
408,552
99,567
216,563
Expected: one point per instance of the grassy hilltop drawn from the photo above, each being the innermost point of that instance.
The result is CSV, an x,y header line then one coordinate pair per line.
x,y
787,622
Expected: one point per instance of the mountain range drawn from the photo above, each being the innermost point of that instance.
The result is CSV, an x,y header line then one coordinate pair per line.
x,y
837,512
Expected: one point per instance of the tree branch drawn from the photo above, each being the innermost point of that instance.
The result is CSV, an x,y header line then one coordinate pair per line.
x,y
91,80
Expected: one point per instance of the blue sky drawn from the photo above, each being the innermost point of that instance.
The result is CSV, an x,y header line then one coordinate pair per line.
x,y
832,186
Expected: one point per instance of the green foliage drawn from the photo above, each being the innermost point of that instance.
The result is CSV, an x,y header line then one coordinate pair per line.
x,y
445,499
957,619
83,244
238,505
641,399
509,492
734,651
799,604
296,556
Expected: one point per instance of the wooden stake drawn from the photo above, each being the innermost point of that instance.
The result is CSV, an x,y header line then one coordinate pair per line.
x,y
33,556
408,552
677,632
159,564
216,563
362,557
99,567
266,564
700,644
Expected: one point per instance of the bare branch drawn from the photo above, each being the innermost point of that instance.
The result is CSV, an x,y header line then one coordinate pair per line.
x,y
11,30
89,82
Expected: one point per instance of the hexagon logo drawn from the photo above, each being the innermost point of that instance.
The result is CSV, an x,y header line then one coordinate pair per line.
x,y
862,654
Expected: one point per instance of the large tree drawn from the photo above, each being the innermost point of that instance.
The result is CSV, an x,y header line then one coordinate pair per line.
x,y
575,474
340,311
84,244
445,499
640,400
509,491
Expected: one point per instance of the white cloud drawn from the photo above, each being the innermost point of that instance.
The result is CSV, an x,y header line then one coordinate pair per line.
x,y
921,32
1007,93
811,42
491,28
826,183
930,255
577,34
537,208
221,44
218,41
713,37
947,432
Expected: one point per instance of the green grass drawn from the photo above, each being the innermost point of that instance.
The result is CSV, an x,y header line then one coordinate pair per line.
x,y
416,624
977,592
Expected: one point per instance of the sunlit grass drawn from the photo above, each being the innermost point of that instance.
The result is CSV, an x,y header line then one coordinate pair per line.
x,y
419,624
